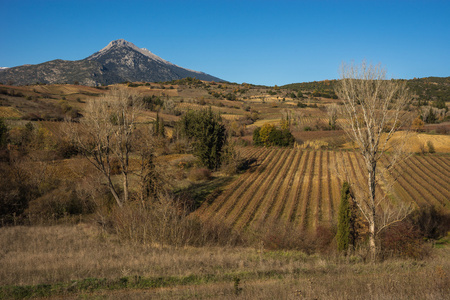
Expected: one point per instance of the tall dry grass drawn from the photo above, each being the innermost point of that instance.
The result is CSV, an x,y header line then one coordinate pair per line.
x,y
49,255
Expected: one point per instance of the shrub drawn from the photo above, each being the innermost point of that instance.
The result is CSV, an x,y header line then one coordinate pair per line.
x,y
403,240
57,204
166,222
430,146
280,235
432,223
268,135
199,174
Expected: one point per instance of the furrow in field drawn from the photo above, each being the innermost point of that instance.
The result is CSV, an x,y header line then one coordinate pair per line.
x,y
327,204
290,211
333,185
275,211
315,200
253,197
424,189
412,190
400,187
442,181
303,214
438,166
234,201
228,199
431,184
444,163
267,198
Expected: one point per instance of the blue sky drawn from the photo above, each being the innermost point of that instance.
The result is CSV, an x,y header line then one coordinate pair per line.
x,y
259,42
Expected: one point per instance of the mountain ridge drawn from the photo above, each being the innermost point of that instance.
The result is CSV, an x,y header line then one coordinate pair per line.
x,y
119,61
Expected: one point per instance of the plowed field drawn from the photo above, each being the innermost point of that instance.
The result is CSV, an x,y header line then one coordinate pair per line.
x,y
303,187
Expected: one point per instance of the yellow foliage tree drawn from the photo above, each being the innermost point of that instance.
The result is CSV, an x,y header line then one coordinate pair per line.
x,y
264,134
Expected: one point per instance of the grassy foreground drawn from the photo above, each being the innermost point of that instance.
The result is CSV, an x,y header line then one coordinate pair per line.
x,y
79,262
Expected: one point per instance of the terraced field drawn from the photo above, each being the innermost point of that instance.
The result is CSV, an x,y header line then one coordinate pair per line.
x,y
7,112
303,187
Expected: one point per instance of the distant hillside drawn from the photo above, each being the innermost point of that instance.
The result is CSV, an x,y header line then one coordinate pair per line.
x,y
426,89
120,61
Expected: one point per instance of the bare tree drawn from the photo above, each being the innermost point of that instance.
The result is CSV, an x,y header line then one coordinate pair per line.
x,y
105,135
332,112
374,108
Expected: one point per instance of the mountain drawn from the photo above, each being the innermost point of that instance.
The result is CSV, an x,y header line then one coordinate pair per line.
x,y
118,62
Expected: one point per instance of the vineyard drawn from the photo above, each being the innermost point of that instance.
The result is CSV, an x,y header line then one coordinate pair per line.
x,y
302,188
8,112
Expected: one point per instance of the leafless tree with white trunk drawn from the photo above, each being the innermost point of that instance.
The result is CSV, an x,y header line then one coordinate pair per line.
x,y
373,109
105,135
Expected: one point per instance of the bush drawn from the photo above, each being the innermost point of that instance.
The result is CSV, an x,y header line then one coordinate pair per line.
x,y
58,204
403,240
430,146
166,222
268,135
431,223
407,238
199,174
281,235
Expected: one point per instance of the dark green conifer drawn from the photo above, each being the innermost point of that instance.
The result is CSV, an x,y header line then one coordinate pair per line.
x,y
344,219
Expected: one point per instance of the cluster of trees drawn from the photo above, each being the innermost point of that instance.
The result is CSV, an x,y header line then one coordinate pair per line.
x,y
269,135
432,115
153,103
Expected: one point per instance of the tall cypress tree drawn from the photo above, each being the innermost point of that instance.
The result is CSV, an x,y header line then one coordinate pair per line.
x,y
156,125
344,219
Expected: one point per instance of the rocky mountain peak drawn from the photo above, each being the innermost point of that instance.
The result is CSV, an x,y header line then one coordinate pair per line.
x,y
119,61
121,43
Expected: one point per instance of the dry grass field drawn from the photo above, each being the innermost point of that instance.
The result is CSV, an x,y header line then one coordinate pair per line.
x,y
81,261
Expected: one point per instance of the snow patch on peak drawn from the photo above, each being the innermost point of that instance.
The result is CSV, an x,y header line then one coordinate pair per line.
x,y
3,68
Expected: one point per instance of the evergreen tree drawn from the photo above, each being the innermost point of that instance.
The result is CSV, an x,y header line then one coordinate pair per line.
x,y
3,133
344,219
208,134
156,125
162,130
256,137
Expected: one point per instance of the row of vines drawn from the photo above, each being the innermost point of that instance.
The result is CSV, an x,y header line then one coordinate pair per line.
x,y
302,188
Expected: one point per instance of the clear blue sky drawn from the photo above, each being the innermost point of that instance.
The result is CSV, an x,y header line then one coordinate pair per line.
x,y
259,42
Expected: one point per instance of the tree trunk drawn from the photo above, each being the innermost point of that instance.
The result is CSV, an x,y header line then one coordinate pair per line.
x,y
372,211
125,187
372,244
114,192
